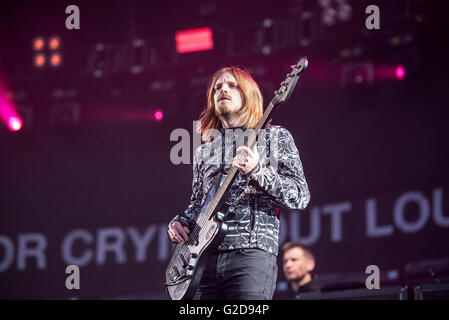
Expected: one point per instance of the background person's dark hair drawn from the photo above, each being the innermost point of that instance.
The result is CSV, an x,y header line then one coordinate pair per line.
x,y
291,244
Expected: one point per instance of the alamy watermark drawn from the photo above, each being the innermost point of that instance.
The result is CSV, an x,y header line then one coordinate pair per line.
x,y
73,280
373,20
231,140
373,280
73,20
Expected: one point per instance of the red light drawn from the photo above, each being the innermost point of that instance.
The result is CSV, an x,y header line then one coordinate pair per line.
x,y
399,72
14,124
39,60
194,40
38,43
158,115
54,43
8,114
55,59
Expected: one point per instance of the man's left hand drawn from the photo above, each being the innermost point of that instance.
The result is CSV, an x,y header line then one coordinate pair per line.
x,y
246,159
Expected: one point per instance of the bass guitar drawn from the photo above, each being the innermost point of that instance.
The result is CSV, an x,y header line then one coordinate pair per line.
x,y
188,260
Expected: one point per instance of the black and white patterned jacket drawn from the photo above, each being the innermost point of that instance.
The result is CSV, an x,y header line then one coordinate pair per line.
x,y
278,180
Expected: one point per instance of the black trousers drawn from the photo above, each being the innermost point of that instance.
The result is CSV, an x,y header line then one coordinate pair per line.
x,y
240,274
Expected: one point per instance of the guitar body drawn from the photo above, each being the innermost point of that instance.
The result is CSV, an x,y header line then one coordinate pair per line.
x,y
188,261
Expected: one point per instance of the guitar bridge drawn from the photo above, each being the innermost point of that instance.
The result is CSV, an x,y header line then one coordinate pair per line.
x,y
178,280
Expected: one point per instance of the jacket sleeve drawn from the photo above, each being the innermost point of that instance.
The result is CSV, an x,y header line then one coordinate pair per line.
x,y
284,179
187,218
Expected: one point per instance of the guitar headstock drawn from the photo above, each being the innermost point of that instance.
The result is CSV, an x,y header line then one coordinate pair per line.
x,y
287,86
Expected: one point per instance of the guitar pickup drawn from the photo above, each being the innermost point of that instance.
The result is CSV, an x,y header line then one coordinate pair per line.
x,y
225,207
184,262
220,214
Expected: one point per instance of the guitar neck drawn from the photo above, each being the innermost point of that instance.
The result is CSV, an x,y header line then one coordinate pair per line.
x,y
219,196
280,96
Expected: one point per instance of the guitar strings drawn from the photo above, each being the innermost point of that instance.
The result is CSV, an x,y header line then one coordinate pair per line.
x,y
202,221
182,250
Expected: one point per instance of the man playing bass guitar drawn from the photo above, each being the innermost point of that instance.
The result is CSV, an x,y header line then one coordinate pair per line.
x,y
244,264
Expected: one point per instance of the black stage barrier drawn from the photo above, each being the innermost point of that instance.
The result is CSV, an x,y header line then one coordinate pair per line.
x,y
435,291
391,293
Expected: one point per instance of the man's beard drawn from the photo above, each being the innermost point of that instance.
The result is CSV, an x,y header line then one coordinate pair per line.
x,y
223,111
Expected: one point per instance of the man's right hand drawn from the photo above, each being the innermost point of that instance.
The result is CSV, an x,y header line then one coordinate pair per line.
x,y
178,233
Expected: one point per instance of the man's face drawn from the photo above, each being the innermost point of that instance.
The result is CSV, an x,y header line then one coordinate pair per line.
x,y
227,96
296,265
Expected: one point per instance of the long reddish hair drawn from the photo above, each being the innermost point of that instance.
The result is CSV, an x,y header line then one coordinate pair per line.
x,y
252,102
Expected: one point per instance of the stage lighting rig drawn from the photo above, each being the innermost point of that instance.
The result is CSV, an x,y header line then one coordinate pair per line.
x,y
47,52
